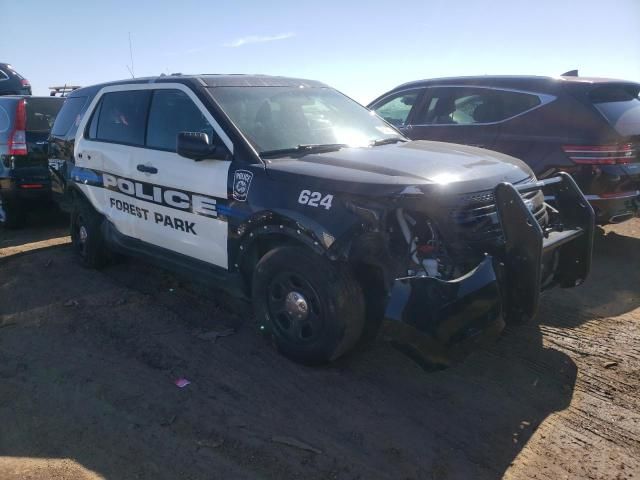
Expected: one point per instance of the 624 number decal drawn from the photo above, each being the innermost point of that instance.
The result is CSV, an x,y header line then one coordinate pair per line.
x,y
315,199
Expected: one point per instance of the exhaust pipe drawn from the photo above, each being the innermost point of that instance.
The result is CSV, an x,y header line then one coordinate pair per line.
x,y
622,217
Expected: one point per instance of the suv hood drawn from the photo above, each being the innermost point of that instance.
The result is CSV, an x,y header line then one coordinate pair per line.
x,y
446,165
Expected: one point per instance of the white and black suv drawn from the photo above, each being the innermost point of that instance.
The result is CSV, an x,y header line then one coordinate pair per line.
x,y
289,193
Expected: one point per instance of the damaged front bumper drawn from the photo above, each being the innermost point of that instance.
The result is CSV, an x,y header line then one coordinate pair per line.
x,y
444,318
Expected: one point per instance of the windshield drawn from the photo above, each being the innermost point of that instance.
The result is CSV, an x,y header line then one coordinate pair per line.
x,y
277,119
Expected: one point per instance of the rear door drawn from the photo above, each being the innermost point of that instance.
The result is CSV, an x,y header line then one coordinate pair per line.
x,y
467,115
107,147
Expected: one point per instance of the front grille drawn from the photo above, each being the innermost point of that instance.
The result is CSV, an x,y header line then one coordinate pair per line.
x,y
477,220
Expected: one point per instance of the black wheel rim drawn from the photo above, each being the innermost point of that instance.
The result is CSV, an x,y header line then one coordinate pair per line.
x,y
80,236
294,308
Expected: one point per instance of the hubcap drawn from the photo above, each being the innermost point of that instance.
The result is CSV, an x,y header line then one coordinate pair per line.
x,y
83,234
80,235
294,308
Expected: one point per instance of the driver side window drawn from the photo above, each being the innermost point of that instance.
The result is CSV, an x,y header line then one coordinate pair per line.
x,y
172,112
396,110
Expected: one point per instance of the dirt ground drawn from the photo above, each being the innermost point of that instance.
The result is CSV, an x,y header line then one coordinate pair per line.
x,y
88,362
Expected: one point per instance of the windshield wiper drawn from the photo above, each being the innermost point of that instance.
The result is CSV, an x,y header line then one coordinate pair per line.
x,y
304,148
386,141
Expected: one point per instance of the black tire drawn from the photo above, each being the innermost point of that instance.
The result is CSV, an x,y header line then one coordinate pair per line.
x,y
86,235
328,320
11,214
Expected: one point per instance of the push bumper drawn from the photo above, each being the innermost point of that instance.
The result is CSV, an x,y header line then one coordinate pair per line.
x,y
445,317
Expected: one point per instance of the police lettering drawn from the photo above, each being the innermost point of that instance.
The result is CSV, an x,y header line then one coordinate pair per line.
x,y
198,204
175,223
129,208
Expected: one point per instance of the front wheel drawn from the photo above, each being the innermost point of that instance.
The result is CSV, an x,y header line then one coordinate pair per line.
x,y
86,235
314,309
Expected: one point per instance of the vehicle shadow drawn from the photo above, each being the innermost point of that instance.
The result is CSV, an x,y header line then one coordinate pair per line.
x,y
41,225
611,289
93,381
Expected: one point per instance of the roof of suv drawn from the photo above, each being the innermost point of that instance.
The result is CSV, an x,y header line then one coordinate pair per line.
x,y
212,80
510,81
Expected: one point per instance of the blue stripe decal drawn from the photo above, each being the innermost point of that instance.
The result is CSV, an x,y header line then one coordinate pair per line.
x,y
86,176
230,212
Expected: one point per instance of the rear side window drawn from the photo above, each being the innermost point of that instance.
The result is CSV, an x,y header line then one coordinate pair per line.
x,y
396,109
468,106
68,116
3,75
620,105
172,112
41,113
121,117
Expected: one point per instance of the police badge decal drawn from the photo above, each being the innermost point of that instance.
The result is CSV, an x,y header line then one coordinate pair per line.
x,y
241,184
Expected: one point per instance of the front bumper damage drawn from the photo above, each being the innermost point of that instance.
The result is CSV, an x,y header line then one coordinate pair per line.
x,y
445,319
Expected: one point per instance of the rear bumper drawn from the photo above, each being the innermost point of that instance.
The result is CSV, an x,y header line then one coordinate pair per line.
x,y
616,207
448,316
25,189
612,190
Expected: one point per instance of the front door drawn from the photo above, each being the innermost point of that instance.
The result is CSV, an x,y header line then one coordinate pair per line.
x,y
186,219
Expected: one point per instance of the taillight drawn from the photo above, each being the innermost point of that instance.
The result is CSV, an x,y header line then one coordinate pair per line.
x,y
18,137
25,83
600,154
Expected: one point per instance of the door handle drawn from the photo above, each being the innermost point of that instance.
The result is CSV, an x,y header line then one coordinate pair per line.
x,y
147,169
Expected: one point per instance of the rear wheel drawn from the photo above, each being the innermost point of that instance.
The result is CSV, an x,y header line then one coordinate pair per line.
x,y
86,236
313,309
11,213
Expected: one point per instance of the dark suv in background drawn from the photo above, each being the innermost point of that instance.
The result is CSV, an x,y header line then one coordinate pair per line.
x,y
11,82
25,123
589,127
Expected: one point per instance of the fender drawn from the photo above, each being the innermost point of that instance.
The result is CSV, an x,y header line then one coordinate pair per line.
x,y
291,224
271,223
82,176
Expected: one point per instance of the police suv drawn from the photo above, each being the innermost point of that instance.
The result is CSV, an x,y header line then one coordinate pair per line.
x,y
287,192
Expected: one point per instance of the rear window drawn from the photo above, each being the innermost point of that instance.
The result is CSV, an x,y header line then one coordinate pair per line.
x,y
5,119
41,113
69,116
13,72
620,105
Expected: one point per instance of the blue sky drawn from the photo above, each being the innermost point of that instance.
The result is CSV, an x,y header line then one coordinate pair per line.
x,y
361,48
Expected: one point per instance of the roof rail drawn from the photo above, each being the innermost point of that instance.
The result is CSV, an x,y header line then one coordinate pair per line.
x,y
62,91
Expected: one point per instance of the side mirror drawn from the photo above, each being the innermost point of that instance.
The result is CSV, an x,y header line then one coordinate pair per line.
x,y
196,146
